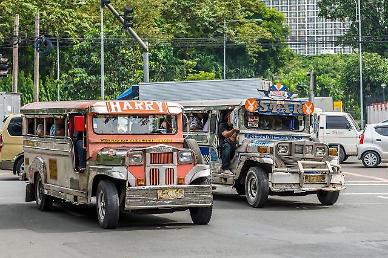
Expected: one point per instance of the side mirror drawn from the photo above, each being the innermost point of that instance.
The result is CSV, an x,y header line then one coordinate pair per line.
x,y
79,123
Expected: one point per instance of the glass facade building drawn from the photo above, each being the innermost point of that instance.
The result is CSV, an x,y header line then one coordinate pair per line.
x,y
310,34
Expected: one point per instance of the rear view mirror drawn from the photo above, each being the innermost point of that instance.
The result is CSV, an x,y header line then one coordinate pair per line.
x,y
79,123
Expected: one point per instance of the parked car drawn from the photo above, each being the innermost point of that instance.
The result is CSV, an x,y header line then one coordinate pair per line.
x,y
339,129
11,145
373,147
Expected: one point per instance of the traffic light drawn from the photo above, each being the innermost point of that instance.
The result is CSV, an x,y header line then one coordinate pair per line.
x,y
3,66
104,2
128,17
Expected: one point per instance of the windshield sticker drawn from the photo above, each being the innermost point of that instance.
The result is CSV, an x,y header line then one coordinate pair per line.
x,y
260,143
132,106
271,137
134,140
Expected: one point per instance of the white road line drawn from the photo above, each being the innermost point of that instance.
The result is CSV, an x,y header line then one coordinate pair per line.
x,y
376,184
364,194
350,181
383,197
380,179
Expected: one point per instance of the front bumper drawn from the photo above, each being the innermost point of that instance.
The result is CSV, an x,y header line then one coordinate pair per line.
x,y
146,197
299,180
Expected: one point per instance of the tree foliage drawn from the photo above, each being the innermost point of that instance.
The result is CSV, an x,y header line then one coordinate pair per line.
x,y
374,18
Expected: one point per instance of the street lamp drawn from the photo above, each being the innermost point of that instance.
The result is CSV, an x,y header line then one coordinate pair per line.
x,y
225,37
383,85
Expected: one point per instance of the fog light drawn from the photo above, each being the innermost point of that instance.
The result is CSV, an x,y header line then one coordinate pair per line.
x,y
140,181
333,151
181,180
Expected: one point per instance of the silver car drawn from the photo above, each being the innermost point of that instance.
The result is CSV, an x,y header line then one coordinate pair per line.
x,y
373,147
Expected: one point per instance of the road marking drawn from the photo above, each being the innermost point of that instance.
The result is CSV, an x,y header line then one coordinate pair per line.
x,y
384,197
376,184
370,177
364,193
368,181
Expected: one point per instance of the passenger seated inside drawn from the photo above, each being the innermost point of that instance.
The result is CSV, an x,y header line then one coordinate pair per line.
x,y
39,130
81,153
199,122
228,136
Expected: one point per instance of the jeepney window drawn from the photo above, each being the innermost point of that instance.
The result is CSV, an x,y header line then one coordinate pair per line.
x,y
274,122
199,122
49,127
135,124
30,126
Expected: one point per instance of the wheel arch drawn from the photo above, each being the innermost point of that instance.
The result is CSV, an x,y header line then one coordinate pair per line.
x,y
253,163
120,184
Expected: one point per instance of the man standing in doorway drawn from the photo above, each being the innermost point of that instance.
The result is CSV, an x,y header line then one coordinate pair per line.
x,y
228,136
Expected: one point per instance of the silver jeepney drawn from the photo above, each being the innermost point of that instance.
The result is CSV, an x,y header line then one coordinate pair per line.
x,y
268,161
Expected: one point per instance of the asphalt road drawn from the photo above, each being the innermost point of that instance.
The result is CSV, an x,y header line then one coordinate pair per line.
x,y
356,226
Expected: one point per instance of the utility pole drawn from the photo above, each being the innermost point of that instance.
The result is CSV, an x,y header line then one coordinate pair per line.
x,y
224,49
102,58
58,94
15,58
360,59
312,85
36,62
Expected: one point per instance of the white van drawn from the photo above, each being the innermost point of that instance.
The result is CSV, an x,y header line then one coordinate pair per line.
x,y
339,129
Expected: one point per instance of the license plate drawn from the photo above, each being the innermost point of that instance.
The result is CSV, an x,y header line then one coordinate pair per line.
x,y
170,194
314,179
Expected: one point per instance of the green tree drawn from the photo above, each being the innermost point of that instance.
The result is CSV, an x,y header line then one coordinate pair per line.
x,y
374,17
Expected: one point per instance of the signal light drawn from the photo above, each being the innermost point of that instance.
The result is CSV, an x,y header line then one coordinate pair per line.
x,y
128,17
181,180
140,182
4,66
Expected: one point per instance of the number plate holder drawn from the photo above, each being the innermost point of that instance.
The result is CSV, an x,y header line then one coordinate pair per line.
x,y
315,179
170,194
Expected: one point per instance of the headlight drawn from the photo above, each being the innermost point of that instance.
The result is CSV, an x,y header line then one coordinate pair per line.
x,y
135,158
299,149
320,151
185,157
283,149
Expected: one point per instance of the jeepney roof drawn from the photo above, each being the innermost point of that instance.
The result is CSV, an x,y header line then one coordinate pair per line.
x,y
103,107
221,104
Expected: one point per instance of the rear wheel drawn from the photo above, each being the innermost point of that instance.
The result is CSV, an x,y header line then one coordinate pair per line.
x,y
328,198
107,204
43,201
19,169
256,187
370,159
341,154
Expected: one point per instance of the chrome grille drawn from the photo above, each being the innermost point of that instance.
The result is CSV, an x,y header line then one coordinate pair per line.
x,y
162,158
154,176
169,176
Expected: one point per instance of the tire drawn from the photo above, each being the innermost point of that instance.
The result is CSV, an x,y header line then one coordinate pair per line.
x,y
43,201
201,215
256,187
341,154
193,145
240,188
328,198
108,208
371,159
19,169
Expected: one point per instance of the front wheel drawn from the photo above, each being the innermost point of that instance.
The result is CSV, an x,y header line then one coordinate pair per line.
x,y
328,198
201,215
43,201
370,159
256,187
107,204
341,155
19,169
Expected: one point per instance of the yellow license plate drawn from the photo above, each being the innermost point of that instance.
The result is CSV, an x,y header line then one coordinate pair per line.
x,y
314,179
170,194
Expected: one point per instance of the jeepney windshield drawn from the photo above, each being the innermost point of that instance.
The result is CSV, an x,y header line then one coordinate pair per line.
x,y
275,122
135,124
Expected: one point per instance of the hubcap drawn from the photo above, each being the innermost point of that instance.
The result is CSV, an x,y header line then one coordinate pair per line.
x,y
370,159
101,206
252,187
